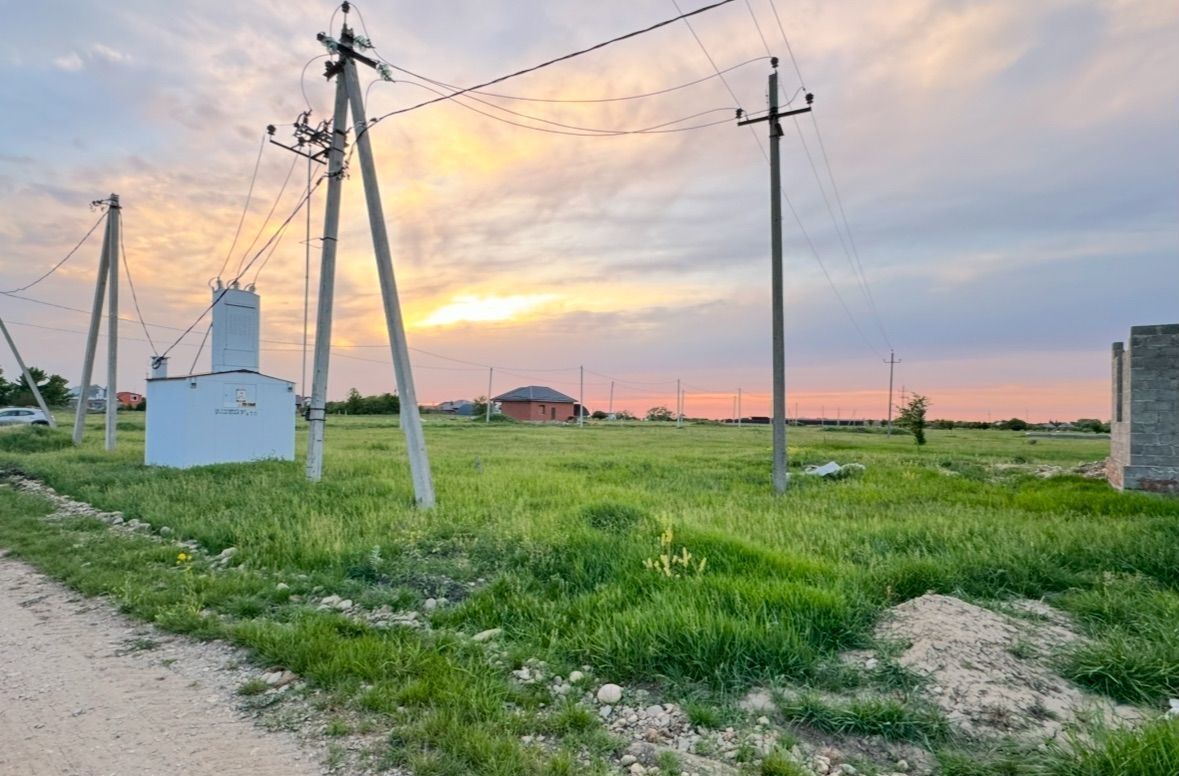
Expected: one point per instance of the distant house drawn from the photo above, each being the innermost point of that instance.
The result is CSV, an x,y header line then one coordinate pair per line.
x,y
536,403
461,407
95,401
129,400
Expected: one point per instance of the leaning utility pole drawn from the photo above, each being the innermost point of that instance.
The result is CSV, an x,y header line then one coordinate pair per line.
x,y
892,362
779,320
350,95
107,257
28,376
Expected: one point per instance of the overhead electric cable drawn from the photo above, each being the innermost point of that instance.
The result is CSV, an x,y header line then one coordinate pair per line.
x,y
554,61
786,40
249,264
134,296
269,215
245,207
61,262
753,16
575,131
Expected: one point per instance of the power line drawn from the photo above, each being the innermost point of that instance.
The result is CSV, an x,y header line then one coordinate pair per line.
x,y
786,40
753,16
249,264
553,61
583,101
278,198
134,296
245,207
576,131
60,263
850,237
715,69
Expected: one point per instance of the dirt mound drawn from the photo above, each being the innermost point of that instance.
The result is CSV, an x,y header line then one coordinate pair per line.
x,y
989,673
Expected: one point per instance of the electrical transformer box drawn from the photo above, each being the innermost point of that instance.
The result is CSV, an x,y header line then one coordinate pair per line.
x,y
221,417
236,314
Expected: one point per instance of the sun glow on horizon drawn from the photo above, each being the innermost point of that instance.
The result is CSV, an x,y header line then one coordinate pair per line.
x,y
471,308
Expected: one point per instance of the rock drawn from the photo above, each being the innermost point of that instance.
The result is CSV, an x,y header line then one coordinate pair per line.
x,y
848,770
821,764
165,530
627,759
637,769
604,712
902,765
575,677
871,664
344,605
488,634
609,694
430,604
227,553
281,586
757,701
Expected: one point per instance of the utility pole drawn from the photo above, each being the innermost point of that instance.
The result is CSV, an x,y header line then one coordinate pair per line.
x,y
776,293
327,283
411,419
610,406
490,374
306,286
112,328
104,261
581,397
29,376
892,362
679,405
738,408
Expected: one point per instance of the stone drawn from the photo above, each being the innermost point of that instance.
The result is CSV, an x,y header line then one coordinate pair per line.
x,y
575,677
848,770
488,634
609,694
902,766
757,701
821,764
344,604
763,721
627,759
430,605
604,712
637,769
281,586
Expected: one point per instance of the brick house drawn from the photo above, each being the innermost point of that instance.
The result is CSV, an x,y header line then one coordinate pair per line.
x,y
537,403
129,400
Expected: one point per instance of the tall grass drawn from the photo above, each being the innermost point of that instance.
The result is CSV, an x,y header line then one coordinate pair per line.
x,y
543,531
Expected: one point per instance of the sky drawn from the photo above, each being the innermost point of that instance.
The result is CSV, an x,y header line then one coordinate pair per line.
x,y
1009,173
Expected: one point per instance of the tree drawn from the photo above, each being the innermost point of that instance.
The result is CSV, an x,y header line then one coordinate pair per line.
x,y
54,389
1015,424
660,413
624,415
599,415
5,388
912,417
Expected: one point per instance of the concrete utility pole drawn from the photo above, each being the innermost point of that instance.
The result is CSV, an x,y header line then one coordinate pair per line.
x,y
581,396
349,94
112,327
610,405
104,260
679,405
776,293
28,376
490,374
892,362
738,408
327,283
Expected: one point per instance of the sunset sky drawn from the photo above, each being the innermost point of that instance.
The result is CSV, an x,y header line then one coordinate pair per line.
x,y
1008,169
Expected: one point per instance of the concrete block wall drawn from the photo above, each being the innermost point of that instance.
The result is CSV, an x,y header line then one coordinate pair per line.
x,y
1144,428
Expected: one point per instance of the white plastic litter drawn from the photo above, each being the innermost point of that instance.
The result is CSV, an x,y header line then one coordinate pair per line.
x,y
834,470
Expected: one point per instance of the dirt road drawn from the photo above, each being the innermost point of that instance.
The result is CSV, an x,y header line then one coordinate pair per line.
x,y
86,692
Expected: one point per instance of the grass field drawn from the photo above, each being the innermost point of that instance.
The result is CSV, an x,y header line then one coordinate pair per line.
x,y
544,532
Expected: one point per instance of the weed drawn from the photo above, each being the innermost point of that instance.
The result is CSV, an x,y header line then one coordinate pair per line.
x,y
253,686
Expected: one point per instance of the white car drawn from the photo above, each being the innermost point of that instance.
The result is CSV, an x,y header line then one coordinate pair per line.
x,y
12,416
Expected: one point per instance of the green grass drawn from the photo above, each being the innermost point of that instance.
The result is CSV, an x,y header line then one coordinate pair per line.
x,y
543,531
